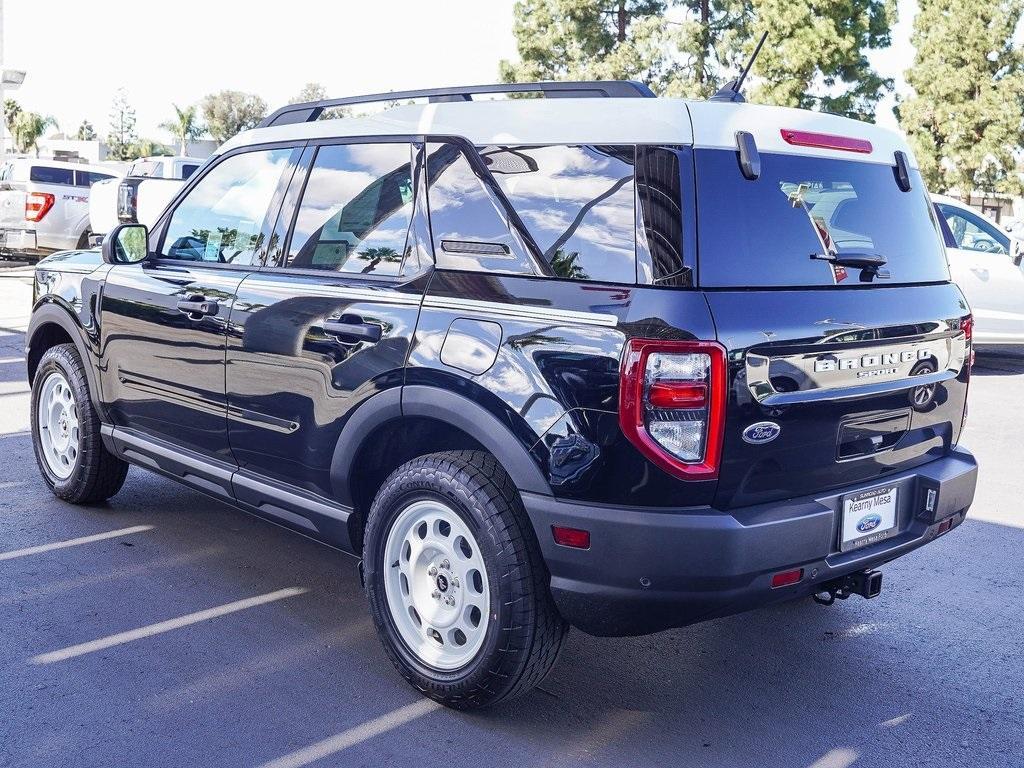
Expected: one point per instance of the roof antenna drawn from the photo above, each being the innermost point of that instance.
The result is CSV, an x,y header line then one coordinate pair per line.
x,y
731,90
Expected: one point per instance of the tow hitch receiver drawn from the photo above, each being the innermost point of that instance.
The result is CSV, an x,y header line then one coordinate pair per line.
x,y
867,584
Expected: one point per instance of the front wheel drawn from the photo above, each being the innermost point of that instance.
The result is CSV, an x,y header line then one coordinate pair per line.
x,y
456,584
66,431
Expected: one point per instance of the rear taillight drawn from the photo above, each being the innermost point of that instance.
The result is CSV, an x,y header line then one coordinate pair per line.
x,y
37,205
672,404
967,326
127,205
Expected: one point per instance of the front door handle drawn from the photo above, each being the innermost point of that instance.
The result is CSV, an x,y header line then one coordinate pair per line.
x,y
198,306
354,327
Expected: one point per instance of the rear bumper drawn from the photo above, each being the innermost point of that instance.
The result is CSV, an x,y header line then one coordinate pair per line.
x,y
21,241
650,570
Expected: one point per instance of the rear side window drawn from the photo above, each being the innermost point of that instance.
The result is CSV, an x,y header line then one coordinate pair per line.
x,y
88,178
577,202
355,210
470,226
188,170
763,232
225,216
45,175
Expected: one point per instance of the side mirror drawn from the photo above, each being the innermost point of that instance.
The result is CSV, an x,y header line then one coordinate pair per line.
x,y
126,244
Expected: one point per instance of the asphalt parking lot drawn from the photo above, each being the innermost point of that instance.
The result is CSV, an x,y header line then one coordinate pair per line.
x,y
164,628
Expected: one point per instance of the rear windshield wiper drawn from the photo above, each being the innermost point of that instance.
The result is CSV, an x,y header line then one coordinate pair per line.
x,y
870,263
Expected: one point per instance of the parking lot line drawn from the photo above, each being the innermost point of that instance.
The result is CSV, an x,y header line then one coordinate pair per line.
x,y
188,619
73,542
354,735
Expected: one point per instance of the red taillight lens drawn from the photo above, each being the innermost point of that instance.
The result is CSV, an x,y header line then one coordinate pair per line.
x,y
825,141
672,404
967,326
576,538
37,205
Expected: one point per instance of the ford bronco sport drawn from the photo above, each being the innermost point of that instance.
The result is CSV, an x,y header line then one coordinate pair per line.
x,y
616,362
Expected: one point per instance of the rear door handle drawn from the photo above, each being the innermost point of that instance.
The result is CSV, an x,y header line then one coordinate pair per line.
x,y
198,305
354,328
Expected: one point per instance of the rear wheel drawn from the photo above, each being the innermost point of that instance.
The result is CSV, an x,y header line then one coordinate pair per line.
x,y
456,583
66,432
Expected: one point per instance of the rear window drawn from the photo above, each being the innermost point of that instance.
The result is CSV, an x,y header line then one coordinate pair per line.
x,y
763,233
88,178
45,175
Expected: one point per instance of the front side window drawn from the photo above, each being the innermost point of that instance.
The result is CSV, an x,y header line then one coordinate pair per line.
x,y
355,210
224,218
577,202
972,232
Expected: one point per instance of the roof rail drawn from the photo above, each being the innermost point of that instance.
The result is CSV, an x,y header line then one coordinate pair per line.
x,y
309,111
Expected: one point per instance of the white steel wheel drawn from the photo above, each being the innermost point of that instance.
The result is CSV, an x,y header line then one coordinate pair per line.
x,y
436,585
57,419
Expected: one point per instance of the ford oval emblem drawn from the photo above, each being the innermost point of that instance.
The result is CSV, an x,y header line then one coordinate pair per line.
x,y
761,432
869,523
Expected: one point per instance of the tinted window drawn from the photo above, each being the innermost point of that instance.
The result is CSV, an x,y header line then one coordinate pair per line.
x,y
223,218
355,210
44,175
88,178
763,232
469,225
664,248
577,204
188,170
972,232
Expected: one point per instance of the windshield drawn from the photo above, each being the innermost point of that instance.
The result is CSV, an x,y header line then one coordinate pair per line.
x,y
765,232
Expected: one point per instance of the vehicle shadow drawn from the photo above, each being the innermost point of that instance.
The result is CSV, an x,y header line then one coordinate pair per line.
x,y
998,361
882,682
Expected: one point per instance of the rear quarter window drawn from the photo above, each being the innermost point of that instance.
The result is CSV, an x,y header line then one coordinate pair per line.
x,y
755,234
42,174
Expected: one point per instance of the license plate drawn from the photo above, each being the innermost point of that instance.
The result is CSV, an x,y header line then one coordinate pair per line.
x,y
868,517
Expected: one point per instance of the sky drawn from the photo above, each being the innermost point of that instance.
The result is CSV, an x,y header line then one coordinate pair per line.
x,y
77,54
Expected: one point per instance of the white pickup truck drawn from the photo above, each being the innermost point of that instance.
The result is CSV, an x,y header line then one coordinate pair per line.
x,y
141,196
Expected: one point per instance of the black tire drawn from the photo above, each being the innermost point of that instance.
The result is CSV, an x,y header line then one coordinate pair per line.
x,y
97,474
525,632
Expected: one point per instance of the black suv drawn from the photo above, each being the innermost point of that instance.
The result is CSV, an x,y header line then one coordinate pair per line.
x,y
616,362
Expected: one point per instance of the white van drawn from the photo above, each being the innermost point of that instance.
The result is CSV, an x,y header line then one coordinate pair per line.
x,y
44,205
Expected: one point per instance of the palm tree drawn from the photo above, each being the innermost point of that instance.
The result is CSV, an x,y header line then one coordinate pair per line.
x,y
28,128
185,126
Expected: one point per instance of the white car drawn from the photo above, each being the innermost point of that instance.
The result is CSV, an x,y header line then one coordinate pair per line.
x,y
141,196
985,261
44,205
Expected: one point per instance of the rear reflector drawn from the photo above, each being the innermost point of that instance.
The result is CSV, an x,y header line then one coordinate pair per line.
x,y
786,578
571,537
945,525
825,141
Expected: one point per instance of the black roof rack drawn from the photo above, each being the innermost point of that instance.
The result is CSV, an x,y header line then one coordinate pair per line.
x,y
309,111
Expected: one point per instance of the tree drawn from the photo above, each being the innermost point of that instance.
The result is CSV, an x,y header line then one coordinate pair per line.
x,y
309,92
965,115
184,127
229,112
11,111
85,132
28,128
122,137
816,55
148,148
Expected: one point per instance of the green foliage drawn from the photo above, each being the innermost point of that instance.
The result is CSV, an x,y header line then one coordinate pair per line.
x,y
28,128
964,119
229,112
85,132
148,148
309,92
11,110
184,126
815,58
121,138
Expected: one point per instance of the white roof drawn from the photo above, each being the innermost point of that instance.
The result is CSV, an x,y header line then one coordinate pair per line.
x,y
597,121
